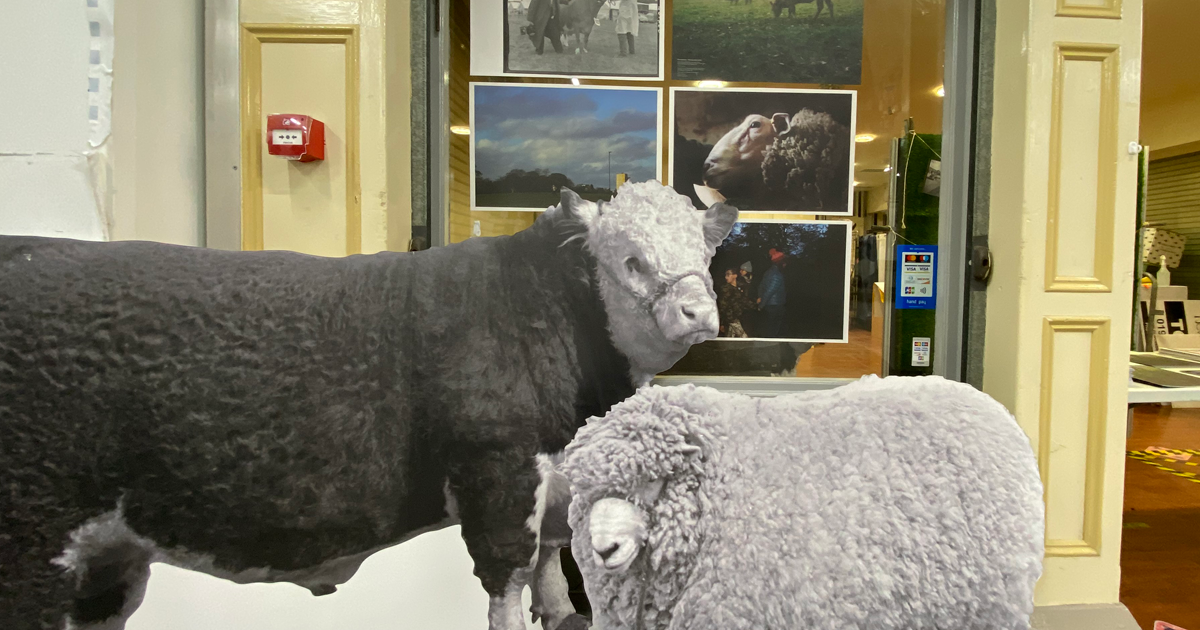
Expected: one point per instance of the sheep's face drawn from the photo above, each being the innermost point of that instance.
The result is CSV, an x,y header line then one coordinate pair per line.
x,y
633,474
652,250
618,530
735,162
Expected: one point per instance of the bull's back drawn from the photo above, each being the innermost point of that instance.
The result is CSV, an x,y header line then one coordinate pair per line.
x,y
240,403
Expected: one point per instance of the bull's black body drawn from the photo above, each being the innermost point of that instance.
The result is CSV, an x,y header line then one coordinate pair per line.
x,y
279,410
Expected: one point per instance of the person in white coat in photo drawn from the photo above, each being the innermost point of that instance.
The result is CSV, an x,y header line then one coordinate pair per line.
x,y
627,25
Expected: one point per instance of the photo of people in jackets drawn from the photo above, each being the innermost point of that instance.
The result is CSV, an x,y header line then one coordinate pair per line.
x,y
601,38
783,281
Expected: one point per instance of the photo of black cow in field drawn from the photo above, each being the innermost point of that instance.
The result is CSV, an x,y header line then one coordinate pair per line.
x,y
768,42
777,7
596,38
275,417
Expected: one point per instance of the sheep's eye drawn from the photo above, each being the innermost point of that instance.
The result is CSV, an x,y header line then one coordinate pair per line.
x,y
756,124
650,490
633,264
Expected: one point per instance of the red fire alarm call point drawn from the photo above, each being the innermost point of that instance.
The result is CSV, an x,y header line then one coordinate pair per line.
x,y
296,137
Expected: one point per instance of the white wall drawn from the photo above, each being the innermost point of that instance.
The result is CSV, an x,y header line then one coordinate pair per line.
x,y
45,186
424,584
146,181
158,121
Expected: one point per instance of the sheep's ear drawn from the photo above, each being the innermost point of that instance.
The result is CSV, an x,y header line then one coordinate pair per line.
x,y
718,222
694,446
577,208
781,122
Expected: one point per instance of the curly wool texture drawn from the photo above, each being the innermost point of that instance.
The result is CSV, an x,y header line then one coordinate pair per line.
x,y
808,161
885,504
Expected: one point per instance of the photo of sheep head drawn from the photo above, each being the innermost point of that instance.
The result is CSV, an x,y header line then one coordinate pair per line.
x,y
888,504
795,157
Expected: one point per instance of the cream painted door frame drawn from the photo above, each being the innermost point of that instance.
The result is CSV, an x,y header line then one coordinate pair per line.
x,y
254,37
377,164
1063,195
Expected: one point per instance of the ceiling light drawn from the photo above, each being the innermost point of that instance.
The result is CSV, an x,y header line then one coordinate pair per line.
x,y
887,169
864,137
460,130
941,91
574,81
857,183
711,84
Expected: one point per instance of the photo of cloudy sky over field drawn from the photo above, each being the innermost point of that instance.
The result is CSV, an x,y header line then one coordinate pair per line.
x,y
529,142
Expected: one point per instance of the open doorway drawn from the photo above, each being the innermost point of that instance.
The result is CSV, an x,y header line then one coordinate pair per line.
x,y
1160,557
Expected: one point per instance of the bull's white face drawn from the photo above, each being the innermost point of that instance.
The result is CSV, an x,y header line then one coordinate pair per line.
x,y
736,159
652,249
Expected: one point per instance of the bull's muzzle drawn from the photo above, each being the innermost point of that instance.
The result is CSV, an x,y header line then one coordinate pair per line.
x,y
687,314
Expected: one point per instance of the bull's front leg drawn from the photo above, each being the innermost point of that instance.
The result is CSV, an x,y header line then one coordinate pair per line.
x,y
551,601
496,495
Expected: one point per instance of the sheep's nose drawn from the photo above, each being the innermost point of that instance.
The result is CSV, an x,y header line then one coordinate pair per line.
x,y
607,553
687,312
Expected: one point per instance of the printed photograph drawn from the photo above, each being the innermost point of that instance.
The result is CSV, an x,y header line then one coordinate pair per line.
x,y
602,38
529,142
768,41
764,150
783,281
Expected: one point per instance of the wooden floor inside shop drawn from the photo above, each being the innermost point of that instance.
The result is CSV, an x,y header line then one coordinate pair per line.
x,y
844,360
1160,551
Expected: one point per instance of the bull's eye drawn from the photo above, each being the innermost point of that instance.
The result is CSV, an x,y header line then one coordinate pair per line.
x,y
633,264
756,124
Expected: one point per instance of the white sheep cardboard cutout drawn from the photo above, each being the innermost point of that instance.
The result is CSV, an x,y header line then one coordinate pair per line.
x,y
888,504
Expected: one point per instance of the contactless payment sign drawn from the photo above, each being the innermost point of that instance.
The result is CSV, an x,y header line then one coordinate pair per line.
x,y
916,276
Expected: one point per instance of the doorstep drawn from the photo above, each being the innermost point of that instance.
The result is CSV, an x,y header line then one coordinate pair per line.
x,y
1083,617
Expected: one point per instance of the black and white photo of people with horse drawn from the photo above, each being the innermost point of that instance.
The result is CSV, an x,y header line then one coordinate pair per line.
x,y
601,38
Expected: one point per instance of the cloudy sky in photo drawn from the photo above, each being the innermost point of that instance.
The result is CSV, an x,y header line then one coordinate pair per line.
x,y
566,130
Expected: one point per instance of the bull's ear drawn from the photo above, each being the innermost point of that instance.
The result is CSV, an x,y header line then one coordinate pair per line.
x,y
577,208
718,222
781,122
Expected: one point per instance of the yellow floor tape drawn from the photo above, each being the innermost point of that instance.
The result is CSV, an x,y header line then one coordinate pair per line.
x,y
1153,458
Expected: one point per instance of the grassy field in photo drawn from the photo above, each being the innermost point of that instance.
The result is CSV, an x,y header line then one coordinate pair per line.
x,y
715,39
602,56
533,201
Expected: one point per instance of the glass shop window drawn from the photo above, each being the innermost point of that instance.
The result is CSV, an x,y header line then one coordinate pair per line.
x,y
820,120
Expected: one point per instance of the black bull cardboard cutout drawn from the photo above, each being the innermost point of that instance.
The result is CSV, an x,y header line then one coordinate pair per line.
x,y
276,417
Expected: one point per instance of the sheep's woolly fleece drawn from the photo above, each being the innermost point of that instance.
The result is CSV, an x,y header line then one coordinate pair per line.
x,y
892,503
806,158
